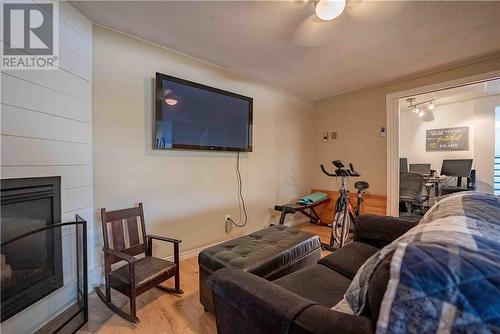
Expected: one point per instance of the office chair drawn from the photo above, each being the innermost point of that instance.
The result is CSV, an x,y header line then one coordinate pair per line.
x,y
410,191
424,169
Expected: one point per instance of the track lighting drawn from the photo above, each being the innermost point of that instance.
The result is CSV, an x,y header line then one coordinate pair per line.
x,y
414,107
426,114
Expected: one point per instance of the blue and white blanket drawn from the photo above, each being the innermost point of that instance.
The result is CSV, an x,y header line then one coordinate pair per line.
x,y
445,272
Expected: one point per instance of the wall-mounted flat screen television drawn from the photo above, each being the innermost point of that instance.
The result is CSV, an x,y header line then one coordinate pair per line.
x,y
192,116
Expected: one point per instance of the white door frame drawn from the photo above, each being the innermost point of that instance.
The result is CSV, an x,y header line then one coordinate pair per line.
x,y
392,108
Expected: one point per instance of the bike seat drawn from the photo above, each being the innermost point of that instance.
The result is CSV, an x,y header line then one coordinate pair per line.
x,y
361,185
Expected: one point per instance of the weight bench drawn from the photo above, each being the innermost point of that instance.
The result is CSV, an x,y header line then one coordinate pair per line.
x,y
302,208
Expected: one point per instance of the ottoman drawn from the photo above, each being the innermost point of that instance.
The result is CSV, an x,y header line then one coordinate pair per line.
x,y
269,253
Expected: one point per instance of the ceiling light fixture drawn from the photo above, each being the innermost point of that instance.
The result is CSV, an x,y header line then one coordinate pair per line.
x,y
170,98
330,9
171,101
431,105
428,116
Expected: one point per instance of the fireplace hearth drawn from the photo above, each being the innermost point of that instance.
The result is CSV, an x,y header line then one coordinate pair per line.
x,y
31,267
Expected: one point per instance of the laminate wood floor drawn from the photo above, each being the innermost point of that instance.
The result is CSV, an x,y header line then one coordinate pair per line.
x,y
165,313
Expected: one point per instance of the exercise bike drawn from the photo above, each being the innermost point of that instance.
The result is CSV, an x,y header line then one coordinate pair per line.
x,y
345,214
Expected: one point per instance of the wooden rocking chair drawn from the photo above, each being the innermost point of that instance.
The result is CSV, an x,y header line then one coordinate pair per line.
x,y
139,274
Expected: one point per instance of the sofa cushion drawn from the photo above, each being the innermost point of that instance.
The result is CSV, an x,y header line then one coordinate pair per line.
x,y
380,231
348,259
317,319
317,283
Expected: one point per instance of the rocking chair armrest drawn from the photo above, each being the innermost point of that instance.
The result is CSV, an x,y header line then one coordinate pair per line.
x,y
121,255
157,237
175,242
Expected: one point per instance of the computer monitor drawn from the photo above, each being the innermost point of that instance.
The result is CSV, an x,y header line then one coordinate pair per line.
x,y
456,167
403,165
424,169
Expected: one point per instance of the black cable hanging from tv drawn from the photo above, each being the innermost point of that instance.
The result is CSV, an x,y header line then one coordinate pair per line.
x,y
240,189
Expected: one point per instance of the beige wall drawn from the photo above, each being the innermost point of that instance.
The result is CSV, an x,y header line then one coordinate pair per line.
x,y
477,114
187,194
358,116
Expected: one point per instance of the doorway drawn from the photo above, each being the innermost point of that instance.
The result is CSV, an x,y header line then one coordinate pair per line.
x,y
446,144
450,125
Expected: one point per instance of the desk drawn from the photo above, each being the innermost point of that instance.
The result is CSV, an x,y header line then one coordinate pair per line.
x,y
435,180
436,183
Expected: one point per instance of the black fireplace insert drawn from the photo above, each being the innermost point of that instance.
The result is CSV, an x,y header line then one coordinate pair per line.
x,y
31,267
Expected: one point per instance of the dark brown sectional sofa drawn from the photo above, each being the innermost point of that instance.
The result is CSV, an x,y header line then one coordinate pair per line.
x,y
301,302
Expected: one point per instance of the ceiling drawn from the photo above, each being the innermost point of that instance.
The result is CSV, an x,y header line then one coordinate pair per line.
x,y
283,44
458,94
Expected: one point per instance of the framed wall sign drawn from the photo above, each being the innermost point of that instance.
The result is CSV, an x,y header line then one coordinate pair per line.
x,y
447,139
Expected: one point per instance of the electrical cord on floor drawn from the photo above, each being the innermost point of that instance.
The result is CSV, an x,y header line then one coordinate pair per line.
x,y
240,193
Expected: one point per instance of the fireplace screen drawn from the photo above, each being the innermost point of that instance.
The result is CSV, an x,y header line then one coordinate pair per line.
x,y
31,267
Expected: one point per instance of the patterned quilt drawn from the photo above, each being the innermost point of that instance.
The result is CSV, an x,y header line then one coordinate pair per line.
x,y
445,272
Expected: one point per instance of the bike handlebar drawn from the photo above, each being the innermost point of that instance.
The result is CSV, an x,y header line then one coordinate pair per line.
x,y
340,170
354,173
324,171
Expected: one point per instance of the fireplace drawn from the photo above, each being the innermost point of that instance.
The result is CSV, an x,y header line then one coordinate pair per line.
x,y
31,266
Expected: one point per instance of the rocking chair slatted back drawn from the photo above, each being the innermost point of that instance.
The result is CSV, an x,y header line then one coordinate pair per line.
x,y
133,231
121,232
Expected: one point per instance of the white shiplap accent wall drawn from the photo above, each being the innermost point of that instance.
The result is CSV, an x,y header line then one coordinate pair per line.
x,y
46,130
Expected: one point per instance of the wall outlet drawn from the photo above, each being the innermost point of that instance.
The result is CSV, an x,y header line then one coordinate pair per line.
x,y
228,224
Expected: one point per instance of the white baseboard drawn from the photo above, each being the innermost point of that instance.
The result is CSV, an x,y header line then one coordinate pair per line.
x,y
194,252
99,278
